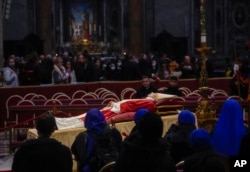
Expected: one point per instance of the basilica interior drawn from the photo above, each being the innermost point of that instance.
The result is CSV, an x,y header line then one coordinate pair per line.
x,y
107,26
218,30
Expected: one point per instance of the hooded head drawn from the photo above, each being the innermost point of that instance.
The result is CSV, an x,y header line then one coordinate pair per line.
x,y
200,138
139,114
151,127
95,121
186,117
229,128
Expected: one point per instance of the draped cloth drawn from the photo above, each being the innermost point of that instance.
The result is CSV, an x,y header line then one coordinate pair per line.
x,y
130,105
115,108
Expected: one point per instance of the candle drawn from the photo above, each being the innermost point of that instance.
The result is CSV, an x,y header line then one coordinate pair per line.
x,y
203,38
100,30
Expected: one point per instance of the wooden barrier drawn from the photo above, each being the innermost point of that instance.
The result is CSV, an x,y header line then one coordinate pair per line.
x,y
37,95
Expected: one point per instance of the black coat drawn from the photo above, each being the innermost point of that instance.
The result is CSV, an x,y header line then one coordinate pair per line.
x,y
196,162
173,91
79,146
177,138
143,92
42,154
130,71
138,155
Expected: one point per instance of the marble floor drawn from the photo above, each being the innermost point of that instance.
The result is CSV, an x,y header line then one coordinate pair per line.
x,y
5,157
5,163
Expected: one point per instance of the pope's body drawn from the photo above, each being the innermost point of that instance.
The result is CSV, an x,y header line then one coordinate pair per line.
x,y
115,108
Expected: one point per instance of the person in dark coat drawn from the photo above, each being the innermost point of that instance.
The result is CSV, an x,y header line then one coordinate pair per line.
x,y
188,68
89,70
137,117
204,159
177,136
44,153
79,68
147,152
146,88
173,87
130,69
97,127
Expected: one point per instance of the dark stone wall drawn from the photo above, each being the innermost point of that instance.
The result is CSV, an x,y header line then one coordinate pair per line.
x,y
16,27
172,16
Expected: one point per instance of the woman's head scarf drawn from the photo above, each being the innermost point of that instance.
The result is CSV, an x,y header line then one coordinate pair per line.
x,y
95,121
229,129
139,114
200,139
186,117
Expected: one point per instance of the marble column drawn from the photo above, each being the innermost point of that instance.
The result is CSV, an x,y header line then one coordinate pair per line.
x,y
135,26
1,38
44,24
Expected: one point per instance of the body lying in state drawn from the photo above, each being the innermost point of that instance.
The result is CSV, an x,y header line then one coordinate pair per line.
x,y
115,108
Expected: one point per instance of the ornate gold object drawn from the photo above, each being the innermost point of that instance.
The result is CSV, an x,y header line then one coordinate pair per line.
x,y
91,45
205,111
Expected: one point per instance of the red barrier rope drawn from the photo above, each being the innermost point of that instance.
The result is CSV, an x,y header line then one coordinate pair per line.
x,y
21,123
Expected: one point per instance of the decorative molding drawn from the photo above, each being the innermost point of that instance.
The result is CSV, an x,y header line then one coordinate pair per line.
x,y
240,15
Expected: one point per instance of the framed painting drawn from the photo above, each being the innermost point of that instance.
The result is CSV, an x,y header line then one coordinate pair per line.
x,y
83,19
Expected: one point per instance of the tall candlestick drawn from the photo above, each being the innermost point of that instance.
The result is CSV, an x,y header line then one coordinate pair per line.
x,y
100,30
90,29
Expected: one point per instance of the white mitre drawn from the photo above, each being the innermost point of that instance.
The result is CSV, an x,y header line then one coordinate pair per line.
x,y
160,96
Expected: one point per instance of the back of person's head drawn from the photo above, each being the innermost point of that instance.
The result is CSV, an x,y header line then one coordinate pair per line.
x,y
200,139
186,117
139,114
214,163
231,113
150,127
46,125
95,121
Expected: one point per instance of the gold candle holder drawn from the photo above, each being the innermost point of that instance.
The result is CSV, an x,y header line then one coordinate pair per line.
x,y
205,111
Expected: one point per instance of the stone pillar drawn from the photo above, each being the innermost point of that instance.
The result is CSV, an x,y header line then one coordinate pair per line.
x,y
136,26
44,24
1,37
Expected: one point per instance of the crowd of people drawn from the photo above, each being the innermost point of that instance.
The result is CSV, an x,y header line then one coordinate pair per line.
x,y
67,68
146,148
35,69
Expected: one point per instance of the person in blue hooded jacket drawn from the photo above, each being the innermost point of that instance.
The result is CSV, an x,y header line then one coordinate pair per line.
x,y
177,136
204,159
97,128
137,117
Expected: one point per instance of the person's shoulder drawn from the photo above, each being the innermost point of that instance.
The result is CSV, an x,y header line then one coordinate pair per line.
x,y
65,149
28,143
115,132
81,135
